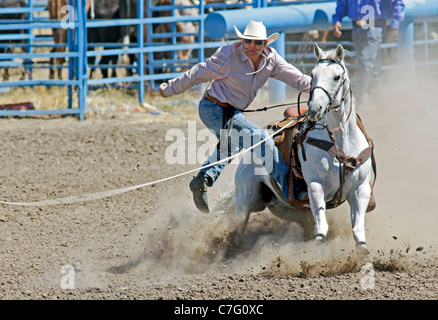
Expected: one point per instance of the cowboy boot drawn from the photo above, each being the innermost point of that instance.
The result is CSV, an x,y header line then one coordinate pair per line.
x,y
199,188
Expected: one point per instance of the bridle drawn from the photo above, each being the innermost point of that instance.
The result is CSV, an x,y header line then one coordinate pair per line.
x,y
310,125
332,96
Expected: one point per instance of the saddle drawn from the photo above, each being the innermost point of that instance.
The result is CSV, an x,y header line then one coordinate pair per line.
x,y
287,143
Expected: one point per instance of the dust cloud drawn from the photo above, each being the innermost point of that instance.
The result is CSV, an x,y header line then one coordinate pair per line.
x,y
400,231
402,123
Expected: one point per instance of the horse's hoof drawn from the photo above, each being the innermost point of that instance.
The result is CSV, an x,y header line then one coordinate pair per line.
x,y
319,238
234,239
361,245
362,249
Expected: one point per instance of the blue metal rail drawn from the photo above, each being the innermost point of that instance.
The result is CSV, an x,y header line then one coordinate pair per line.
x,y
75,55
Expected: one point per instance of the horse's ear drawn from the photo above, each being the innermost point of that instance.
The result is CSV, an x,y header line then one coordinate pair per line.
x,y
317,51
340,52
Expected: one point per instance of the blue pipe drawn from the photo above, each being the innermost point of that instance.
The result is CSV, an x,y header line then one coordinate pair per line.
x,y
140,39
81,33
416,11
291,18
405,50
301,17
276,87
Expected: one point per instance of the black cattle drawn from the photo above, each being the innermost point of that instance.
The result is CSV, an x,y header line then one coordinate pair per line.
x,y
8,45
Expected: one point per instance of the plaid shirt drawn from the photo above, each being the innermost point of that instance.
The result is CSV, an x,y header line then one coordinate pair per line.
x,y
229,71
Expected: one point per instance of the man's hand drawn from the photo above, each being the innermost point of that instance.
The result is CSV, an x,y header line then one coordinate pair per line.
x,y
336,29
162,87
392,35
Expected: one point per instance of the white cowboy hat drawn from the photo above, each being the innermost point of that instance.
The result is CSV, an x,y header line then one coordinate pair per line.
x,y
256,31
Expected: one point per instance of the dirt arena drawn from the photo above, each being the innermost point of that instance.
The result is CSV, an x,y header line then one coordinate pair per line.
x,y
152,243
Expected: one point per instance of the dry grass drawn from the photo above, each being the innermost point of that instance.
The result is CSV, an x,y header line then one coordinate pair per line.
x,y
105,99
42,97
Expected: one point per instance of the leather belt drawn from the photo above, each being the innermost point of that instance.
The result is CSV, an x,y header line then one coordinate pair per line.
x,y
219,103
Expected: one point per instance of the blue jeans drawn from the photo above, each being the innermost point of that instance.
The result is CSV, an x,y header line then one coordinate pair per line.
x,y
367,46
243,134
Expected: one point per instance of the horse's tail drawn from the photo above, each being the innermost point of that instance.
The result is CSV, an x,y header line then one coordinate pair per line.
x,y
226,203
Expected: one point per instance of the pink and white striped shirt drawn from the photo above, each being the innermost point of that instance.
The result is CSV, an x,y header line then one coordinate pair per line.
x,y
230,70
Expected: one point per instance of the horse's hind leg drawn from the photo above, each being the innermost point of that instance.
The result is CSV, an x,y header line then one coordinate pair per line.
x,y
240,220
248,198
241,215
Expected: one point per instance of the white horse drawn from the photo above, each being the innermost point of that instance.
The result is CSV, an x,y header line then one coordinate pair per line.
x,y
335,156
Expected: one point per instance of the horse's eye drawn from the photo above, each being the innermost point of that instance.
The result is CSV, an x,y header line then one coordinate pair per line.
x,y
337,78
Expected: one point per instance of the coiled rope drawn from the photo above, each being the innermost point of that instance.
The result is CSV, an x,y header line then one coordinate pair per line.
x,y
110,193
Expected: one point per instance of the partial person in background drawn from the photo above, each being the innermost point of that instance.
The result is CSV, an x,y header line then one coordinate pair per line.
x,y
370,18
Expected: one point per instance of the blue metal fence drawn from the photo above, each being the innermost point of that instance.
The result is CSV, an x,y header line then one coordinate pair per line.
x,y
76,82
311,15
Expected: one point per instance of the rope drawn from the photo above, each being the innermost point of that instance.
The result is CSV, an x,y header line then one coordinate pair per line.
x,y
274,106
110,193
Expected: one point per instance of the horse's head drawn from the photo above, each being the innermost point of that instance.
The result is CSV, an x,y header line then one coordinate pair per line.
x,y
328,80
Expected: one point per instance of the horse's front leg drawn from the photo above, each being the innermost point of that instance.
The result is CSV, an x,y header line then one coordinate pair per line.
x,y
358,201
317,204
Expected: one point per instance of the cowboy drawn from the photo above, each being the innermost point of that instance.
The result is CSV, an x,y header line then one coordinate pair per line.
x,y
236,72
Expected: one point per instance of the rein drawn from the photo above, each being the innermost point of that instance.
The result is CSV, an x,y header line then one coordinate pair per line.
x,y
277,106
330,132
